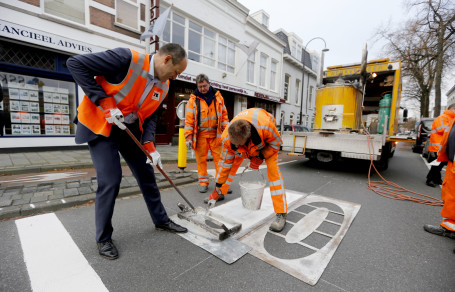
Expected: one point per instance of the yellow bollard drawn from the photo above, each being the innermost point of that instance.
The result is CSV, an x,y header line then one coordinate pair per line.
x,y
182,147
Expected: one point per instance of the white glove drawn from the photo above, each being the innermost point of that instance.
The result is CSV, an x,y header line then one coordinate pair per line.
x,y
189,144
156,159
115,116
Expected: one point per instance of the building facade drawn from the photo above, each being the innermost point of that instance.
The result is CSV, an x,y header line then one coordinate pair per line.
x,y
249,64
451,95
299,82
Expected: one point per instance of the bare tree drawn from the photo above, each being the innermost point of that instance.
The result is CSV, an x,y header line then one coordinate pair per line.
x,y
425,45
437,19
411,46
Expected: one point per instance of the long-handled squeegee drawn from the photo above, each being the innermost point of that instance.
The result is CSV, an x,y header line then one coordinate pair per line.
x,y
199,215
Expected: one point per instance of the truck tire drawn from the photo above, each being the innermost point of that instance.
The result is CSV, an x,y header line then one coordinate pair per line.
x,y
325,156
383,162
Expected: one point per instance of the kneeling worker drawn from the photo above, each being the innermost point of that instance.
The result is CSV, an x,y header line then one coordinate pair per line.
x,y
252,134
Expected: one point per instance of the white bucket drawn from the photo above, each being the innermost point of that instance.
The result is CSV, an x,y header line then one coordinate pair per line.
x,y
252,193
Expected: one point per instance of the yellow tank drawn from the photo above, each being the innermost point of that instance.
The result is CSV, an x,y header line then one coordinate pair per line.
x,y
338,107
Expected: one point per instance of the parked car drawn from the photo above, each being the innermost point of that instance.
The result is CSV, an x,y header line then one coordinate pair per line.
x,y
293,128
423,131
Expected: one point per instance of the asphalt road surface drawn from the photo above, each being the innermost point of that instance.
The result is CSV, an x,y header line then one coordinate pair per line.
x,y
384,249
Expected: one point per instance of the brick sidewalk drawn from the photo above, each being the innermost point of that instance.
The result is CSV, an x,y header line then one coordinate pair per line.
x,y
29,199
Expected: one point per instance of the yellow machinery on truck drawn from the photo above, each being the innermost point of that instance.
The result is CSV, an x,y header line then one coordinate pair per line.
x,y
357,113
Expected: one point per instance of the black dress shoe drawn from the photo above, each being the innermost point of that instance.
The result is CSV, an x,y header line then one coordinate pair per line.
x,y
107,250
431,184
229,191
439,230
220,198
171,227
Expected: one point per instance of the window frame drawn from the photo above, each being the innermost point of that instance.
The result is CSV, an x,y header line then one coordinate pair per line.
x,y
286,86
263,70
298,84
273,74
251,62
86,12
138,15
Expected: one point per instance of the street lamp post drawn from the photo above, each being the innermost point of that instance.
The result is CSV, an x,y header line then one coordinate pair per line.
x,y
303,75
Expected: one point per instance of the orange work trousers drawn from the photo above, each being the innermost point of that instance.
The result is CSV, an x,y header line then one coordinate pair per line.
x,y
448,197
202,150
276,182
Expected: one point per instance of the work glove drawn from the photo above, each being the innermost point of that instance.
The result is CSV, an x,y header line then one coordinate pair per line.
x,y
189,144
112,114
156,157
255,162
213,197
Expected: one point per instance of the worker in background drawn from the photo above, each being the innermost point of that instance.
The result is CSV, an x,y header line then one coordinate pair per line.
x,y
206,118
123,85
252,134
446,154
439,126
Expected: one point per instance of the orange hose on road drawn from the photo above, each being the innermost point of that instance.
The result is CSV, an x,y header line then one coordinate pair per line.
x,y
392,190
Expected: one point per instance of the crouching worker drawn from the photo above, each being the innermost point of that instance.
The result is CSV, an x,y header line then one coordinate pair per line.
x,y
252,134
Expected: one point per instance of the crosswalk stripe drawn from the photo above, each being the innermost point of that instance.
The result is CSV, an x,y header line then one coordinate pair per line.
x,y
53,260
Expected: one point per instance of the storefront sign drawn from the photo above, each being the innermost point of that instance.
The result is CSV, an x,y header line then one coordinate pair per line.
x,y
268,97
227,87
42,38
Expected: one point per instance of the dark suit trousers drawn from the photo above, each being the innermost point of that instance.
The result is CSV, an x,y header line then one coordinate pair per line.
x,y
434,174
106,159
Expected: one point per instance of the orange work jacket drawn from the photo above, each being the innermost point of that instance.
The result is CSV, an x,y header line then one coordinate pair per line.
x,y
270,141
442,154
439,126
208,121
133,97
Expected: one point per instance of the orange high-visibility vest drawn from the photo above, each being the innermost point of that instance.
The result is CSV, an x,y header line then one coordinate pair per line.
x,y
270,141
209,120
438,128
132,96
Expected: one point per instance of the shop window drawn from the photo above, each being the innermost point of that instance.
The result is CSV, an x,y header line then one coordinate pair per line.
x,y
67,9
127,13
34,106
24,56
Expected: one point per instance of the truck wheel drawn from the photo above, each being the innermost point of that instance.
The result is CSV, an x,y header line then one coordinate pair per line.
x,y
383,162
325,156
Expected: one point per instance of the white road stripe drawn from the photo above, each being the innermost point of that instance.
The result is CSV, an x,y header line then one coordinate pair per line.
x,y
53,260
46,177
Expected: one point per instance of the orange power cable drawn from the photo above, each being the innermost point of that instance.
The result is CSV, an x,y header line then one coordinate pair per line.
x,y
392,190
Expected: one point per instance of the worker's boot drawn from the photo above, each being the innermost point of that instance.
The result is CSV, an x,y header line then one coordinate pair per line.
x,y
279,222
439,230
220,198
203,189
